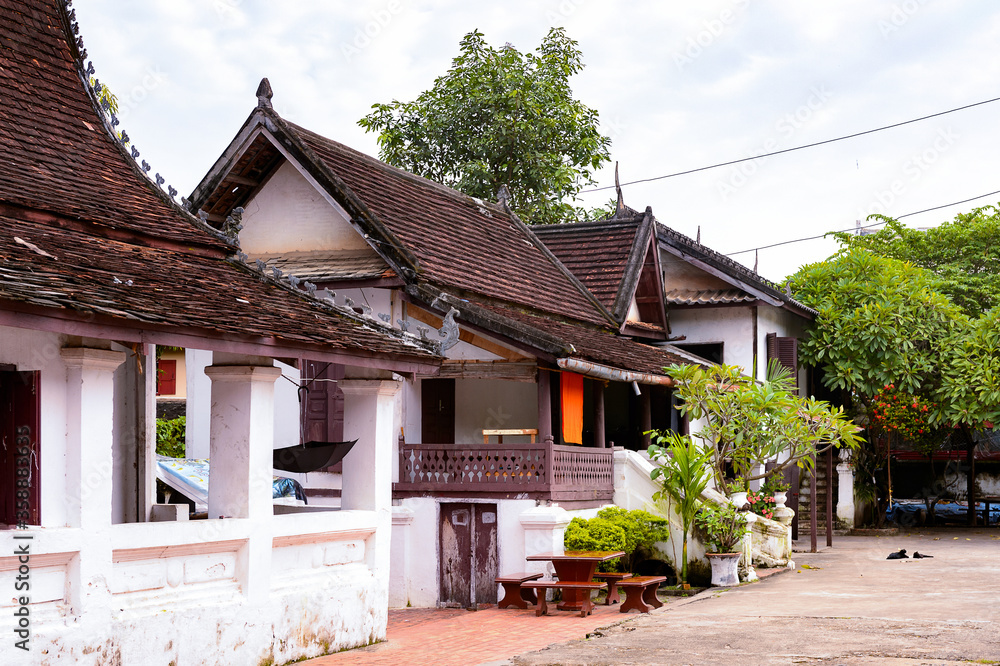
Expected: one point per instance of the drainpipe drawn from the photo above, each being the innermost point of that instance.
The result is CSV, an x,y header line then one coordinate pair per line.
x,y
606,372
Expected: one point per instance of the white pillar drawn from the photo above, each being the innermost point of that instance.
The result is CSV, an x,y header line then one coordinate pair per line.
x,y
369,411
90,401
241,444
399,573
845,494
544,527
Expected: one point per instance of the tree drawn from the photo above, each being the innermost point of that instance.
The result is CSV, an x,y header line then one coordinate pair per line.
x,y
747,423
500,117
963,254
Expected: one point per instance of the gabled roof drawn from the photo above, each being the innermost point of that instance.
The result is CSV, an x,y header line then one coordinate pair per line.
x,y
728,270
425,231
609,257
90,245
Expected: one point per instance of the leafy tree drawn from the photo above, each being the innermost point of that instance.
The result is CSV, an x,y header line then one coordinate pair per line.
x,y
963,254
500,117
881,321
170,436
748,423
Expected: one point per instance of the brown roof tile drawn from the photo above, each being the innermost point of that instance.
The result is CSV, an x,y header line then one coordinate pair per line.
x,y
458,241
597,253
708,297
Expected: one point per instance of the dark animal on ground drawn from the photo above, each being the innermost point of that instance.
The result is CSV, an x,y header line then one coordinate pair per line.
x,y
918,556
900,555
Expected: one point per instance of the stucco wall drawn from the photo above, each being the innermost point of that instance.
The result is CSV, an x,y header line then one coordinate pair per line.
x,y
289,214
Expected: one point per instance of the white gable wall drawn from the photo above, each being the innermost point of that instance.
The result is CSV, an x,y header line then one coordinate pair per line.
x,y
288,214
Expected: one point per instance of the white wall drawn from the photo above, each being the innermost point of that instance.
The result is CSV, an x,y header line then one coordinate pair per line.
x,y
786,324
289,214
732,326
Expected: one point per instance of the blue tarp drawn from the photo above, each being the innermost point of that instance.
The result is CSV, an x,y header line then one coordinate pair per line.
x,y
189,476
908,512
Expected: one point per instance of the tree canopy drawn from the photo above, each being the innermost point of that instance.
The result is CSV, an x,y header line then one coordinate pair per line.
x,y
500,117
964,254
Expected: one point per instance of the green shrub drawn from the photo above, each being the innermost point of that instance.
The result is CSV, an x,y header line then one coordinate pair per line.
x,y
615,528
170,437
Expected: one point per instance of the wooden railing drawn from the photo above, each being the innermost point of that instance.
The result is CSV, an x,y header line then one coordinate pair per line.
x,y
538,471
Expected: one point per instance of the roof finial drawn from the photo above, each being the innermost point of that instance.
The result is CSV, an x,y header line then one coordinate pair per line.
x,y
264,94
620,206
503,197
698,240
756,258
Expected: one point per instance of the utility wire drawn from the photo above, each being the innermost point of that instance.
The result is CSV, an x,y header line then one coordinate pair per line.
x,y
867,226
789,150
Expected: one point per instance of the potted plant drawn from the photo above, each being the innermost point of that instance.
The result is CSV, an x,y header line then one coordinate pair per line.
x,y
683,470
737,491
724,526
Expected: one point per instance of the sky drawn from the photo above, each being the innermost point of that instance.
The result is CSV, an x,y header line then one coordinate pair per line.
x,y
678,86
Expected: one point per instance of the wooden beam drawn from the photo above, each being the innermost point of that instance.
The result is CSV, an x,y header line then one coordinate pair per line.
x,y
242,180
469,337
600,440
472,369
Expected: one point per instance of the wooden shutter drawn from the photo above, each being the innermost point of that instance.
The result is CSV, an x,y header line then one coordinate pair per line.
x,y
786,350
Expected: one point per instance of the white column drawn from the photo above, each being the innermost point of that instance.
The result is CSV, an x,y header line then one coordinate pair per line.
x,y
544,527
369,411
399,574
845,494
90,400
241,444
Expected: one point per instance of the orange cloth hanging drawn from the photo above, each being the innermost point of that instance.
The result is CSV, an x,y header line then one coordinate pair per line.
x,y
571,387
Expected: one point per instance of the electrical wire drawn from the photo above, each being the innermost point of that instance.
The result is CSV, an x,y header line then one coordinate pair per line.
x,y
867,226
789,150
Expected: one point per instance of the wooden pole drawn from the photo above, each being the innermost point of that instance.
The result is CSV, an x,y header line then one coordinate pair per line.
x,y
544,405
829,496
970,480
599,434
813,507
645,415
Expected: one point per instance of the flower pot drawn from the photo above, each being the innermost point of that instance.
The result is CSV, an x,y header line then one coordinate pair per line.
x,y
725,568
780,497
738,499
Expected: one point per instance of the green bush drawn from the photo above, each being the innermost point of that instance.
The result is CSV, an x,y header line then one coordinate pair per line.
x,y
170,437
615,528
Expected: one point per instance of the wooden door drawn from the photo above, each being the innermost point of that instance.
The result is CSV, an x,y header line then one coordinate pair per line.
x,y
437,411
19,465
322,404
468,540
166,377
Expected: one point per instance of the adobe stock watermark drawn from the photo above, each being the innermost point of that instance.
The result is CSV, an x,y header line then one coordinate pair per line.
x,y
784,128
712,29
364,35
564,10
899,16
154,77
913,170
227,9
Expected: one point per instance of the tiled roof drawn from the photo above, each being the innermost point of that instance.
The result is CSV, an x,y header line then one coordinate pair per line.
x,y
458,241
603,346
57,155
708,297
329,265
596,252
47,266
692,248
83,231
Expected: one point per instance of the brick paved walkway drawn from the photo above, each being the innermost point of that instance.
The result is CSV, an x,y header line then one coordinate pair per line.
x,y
455,637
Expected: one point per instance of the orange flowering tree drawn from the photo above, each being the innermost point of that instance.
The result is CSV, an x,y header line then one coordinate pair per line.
x,y
906,415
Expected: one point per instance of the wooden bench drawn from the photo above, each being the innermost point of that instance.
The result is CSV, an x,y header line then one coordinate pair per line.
x,y
514,594
585,586
640,593
612,579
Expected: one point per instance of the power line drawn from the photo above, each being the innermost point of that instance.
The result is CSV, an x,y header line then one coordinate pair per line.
x,y
867,226
789,150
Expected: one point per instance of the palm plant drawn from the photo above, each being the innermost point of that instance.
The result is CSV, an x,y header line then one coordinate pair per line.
x,y
683,470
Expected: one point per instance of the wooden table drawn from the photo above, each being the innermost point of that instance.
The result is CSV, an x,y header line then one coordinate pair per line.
x,y
575,566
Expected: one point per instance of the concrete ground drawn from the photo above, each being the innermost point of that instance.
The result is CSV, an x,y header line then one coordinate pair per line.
x,y
844,605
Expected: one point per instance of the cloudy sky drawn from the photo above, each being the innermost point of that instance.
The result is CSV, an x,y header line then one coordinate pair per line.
x,y
679,85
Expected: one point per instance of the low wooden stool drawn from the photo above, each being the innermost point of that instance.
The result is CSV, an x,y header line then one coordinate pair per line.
x,y
588,603
513,593
640,593
612,579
